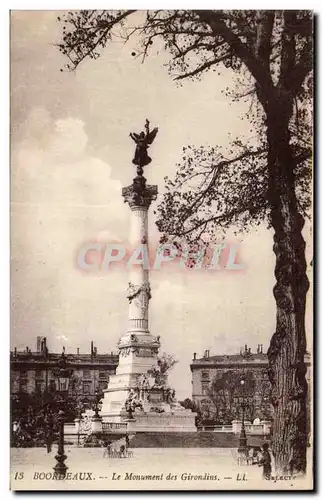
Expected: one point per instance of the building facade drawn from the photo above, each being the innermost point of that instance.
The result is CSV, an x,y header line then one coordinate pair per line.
x,y
221,383
33,372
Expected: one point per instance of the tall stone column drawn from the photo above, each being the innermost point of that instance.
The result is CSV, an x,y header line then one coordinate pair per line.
x,y
137,347
139,288
139,197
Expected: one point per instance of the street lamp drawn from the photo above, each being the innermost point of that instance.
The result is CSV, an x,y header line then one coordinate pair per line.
x,y
62,375
243,437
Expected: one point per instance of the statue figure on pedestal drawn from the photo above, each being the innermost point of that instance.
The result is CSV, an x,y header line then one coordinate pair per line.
x,y
143,381
157,375
134,290
128,405
132,403
143,141
170,398
143,386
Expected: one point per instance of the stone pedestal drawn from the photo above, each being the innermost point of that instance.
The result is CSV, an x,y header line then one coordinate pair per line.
x,y
77,425
236,426
96,425
163,422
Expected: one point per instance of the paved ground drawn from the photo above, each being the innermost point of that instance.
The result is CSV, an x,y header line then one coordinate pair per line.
x,y
169,469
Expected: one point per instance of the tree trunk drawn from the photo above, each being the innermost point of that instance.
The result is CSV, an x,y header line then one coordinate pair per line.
x,y
287,368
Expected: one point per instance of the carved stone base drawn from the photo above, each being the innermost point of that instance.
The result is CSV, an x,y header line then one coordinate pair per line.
x,y
183,421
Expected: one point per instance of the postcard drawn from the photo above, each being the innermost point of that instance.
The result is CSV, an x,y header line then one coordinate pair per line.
x,y
161,250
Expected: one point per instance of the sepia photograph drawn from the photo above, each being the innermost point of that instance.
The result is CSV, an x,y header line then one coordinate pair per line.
x,y
161,250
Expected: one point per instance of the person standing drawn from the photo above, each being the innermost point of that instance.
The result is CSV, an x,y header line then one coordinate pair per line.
x,y
265,461
127,442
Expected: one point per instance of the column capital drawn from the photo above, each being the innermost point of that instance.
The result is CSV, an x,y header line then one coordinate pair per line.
x,y
138,194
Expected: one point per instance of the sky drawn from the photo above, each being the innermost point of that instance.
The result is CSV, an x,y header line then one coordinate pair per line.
x,y
70,157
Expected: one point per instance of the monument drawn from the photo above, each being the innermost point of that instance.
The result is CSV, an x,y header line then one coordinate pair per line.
x,y
138,395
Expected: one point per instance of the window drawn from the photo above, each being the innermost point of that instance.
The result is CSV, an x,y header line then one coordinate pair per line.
x,y
63,385
102,386
23,381
52,385
205,375
23,386
87,387
87,374
12,382
38,385
205,388
102,374
38,374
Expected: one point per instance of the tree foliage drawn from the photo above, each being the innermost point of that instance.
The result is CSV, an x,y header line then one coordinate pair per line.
x,y
270,53
189,404
165,362
226,391
267,43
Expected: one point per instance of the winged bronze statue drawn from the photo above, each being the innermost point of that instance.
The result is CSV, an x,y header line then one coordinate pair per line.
x,y
143,141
